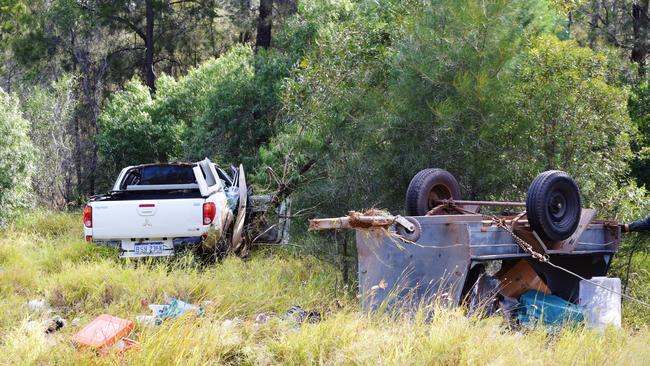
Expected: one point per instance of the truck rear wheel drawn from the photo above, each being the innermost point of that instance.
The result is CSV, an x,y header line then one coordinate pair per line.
x,y
553,205
427,187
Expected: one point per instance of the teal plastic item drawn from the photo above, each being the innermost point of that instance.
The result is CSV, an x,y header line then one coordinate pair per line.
x,y
538,308
175,308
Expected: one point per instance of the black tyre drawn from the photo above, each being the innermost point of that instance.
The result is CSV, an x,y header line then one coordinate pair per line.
x,y
553,205
427,187
410,235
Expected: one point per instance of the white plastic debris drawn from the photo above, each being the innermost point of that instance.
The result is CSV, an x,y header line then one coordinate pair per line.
x,y
146,321
602,305
38,306
230,323
156,309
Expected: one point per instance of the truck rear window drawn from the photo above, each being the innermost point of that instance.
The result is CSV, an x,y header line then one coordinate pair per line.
x,y
167,174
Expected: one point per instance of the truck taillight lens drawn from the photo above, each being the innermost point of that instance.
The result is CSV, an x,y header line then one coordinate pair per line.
x,y
88,216
209,211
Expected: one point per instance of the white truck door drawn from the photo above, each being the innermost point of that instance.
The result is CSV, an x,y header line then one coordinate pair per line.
x,y
238,229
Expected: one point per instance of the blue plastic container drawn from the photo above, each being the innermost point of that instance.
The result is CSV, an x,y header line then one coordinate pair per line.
x,y
538,308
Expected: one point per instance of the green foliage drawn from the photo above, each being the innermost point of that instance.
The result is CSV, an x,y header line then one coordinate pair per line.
x,y
564,112
223,109
16,157
416,85
128,135
12,16
333,108
639,106
232,117
453,72
50,111
475,88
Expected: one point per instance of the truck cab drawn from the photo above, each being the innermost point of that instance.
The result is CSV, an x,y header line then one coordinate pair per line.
x,y
159,209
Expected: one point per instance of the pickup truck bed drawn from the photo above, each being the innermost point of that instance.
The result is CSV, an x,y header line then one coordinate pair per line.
x,y
158,209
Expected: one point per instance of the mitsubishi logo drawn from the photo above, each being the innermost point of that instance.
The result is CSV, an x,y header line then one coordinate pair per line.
x,y
146,223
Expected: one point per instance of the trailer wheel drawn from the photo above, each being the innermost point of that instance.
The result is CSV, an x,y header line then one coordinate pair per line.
x,y
553,205
410,235
428,186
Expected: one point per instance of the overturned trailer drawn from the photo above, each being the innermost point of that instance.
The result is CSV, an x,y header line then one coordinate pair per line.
x,y
444,246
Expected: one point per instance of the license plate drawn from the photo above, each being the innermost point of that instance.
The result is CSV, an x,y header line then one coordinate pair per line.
x,y
153,247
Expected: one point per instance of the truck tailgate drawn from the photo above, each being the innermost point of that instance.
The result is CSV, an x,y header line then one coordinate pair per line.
x,y
148,218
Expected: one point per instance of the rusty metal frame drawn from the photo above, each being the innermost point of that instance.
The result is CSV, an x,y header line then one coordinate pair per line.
x,y
480,203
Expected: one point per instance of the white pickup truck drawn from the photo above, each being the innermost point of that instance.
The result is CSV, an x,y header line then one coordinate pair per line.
x,y
159,209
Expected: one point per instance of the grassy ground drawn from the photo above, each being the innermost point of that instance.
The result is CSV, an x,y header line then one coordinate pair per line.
x,y
43,257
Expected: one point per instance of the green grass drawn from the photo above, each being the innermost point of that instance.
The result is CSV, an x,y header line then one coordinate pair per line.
x,y
43,256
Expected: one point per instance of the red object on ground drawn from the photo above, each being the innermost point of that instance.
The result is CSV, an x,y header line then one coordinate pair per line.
x,y
103,331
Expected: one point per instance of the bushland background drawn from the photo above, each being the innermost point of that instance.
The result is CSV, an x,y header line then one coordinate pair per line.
x,y
333,103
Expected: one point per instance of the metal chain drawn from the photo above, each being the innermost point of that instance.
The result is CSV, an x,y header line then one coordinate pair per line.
x,y
544,258
521,242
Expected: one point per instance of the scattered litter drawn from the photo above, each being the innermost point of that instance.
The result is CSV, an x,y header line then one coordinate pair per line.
x,y
32,326
262,318
175,308
297,314
539,308
156,309
103,332
38,306
146,321
230,323
51,325
602,305
55,323
125,344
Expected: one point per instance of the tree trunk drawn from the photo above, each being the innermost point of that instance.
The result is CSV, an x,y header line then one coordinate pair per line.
x,y
641,27
593,24
91,88
150,78
264,24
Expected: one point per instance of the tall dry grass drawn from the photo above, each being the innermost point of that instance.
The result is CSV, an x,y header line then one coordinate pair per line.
x,y
43,256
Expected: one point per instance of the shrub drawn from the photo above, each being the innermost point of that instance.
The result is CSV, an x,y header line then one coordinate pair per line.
x,y
16,158
129,135
50,111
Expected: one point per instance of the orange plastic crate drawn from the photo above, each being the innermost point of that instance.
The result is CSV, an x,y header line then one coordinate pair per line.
x,y
102,332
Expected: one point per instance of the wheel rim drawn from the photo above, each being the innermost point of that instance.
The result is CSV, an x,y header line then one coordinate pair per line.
x,y
557,206
437,193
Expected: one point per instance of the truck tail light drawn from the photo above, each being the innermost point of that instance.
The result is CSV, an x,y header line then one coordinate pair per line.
x,y
88,216
209,211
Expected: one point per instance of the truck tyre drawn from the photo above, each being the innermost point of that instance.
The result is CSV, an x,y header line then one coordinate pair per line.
x,y
428,186
410,235
553,205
